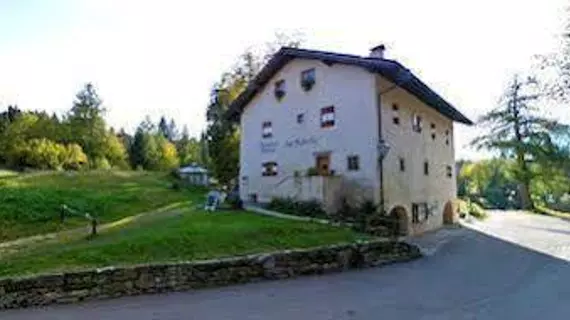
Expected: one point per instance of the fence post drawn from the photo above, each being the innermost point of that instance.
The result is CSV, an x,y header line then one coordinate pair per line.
x,y
93,224
94,227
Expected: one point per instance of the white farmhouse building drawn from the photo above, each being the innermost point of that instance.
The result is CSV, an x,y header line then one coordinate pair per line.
x,y
322,125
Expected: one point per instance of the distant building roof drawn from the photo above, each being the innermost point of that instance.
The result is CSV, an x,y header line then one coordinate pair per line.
x,y
192,169
390,69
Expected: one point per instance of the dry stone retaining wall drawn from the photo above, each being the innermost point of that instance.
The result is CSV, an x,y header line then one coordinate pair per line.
x,y
144,279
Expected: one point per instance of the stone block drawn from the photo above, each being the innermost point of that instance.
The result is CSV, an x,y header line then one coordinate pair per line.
x,y
344,258
80,280
124,274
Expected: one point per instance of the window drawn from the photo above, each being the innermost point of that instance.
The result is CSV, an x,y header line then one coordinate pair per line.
x,y
308,79
327,117
447,137
433,132
396,114
300,118
402,165
416,123
426,168
266,130
353,163
280,89
415,213
432,126
433,136
269,169
449,171
419,211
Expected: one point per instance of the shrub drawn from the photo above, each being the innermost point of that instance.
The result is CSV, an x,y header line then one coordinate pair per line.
x,y
477,211
472,208
345,212
311,172
365,217
310,208
47,154
383,225
175,174
364,213
176,185
101,163
354,213
285,205
234,201
368,207
73,157
280,204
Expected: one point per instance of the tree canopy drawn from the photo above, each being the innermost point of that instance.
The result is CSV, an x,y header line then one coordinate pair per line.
x,y
81,139
222,135
517,130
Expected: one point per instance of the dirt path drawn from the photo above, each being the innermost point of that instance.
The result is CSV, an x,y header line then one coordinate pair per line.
x,y
9,247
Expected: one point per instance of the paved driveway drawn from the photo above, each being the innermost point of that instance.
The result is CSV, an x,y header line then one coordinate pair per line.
x,y
467,274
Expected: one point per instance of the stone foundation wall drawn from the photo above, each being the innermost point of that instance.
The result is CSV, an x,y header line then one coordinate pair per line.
x,y
144,279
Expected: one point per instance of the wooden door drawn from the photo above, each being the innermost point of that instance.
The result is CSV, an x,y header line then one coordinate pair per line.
x,y
323,164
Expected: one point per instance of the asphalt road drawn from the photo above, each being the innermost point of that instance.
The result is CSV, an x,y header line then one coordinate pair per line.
x,y
514,266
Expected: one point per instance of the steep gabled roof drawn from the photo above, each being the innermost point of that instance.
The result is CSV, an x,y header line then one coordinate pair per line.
x,y
390,69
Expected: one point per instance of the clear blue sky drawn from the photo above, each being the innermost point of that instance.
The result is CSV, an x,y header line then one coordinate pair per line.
x,y
161,57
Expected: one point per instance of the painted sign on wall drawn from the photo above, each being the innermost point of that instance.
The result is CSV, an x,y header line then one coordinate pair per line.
x,y
269,147
300,142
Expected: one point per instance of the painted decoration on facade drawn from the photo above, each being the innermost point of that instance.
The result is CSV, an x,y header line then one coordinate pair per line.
x,y
269,147
300,142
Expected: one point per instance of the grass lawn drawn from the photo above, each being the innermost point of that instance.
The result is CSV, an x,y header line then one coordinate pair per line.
x,y
30,203
188,235
7,173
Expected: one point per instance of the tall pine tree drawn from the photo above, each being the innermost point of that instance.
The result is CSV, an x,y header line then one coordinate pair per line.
x,y
517,130
136,153
163,128
188,148
86,122
172,131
